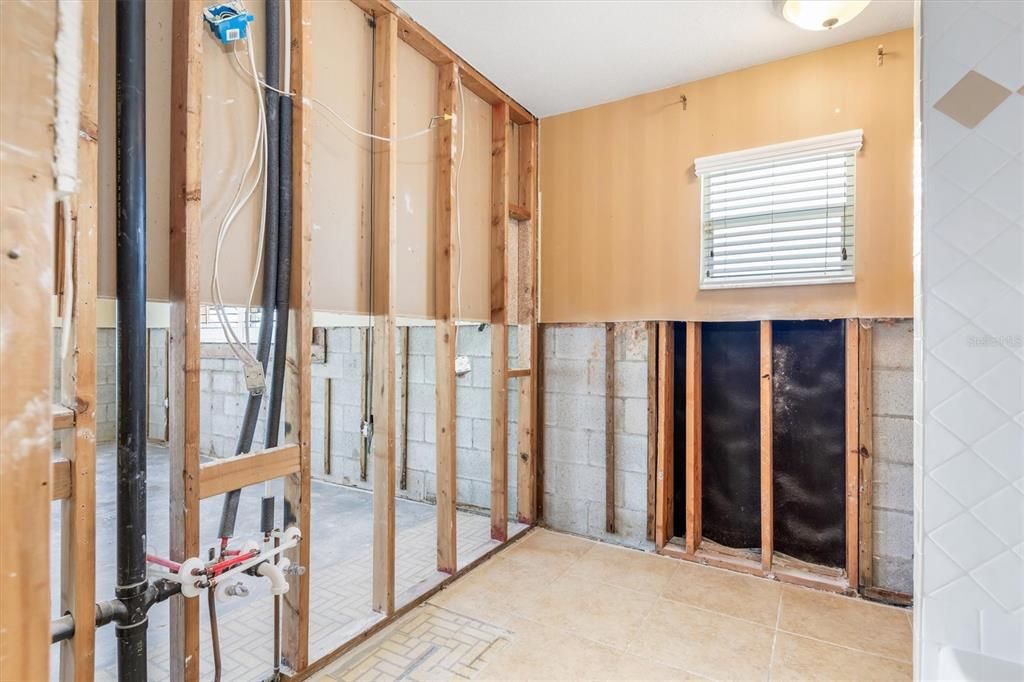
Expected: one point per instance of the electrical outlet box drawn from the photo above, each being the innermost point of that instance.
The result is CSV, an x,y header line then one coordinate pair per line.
x,y
462,365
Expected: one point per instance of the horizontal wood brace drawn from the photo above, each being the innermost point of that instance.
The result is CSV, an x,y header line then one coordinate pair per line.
x,y
512,373
221,476
519,212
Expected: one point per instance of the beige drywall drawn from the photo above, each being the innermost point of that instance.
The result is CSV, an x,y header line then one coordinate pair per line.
x,y
620,215
342,80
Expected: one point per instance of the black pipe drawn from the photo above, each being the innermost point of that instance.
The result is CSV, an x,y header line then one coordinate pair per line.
x,y
229,511
112,610
284,271
131,337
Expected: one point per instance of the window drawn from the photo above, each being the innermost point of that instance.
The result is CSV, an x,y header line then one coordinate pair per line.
x,y
779,215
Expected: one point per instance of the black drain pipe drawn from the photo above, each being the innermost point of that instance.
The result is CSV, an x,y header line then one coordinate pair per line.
x,y
131,338
284,272
229,512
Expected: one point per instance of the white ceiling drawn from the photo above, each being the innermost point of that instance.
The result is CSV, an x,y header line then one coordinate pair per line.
x,y
554,56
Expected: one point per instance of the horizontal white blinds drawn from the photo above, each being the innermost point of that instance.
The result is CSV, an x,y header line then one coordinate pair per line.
x,y
783,216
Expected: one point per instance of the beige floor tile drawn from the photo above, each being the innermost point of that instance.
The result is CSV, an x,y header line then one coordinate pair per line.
x,y
547,553
489,591
624,567
632,668
538,652
606,614
799,658
728,592
706,643
854,623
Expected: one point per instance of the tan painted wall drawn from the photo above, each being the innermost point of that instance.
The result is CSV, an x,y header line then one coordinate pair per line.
x,y
620,225
342,61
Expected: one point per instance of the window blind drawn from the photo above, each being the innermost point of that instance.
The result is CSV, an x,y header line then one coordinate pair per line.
x,y
779,215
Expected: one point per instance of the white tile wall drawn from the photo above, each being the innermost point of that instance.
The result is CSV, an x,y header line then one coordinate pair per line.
x,y
969,406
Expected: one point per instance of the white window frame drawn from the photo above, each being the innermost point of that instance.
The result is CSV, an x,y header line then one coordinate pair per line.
x,y
848,142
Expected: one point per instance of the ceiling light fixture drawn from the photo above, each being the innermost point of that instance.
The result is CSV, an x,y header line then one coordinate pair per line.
x,y
820,15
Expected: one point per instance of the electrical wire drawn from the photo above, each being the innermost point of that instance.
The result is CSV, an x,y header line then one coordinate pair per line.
x,y
313,100
242,196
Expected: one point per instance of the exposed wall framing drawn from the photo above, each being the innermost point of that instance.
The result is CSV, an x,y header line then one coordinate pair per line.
x,y
688,543
71,478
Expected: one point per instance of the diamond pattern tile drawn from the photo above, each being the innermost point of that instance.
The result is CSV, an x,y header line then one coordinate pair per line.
x,y
971,288
972,99
981,479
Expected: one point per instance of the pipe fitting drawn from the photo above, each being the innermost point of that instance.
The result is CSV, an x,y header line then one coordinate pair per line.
x,y
278,583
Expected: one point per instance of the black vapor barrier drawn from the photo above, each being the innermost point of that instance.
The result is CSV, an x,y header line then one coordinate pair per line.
x,y
679,432
731,433
809,440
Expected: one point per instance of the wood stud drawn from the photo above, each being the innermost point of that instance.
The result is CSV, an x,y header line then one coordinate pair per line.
x,y
767,481
385,182
663,530
183,337
694,454
500,129
445,297
852,452
609,427
866,457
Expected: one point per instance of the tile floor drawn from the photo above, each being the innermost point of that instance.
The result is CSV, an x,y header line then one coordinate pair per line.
x,y
555,606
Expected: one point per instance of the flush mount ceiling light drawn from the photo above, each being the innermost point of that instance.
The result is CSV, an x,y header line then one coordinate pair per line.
x,y
820,15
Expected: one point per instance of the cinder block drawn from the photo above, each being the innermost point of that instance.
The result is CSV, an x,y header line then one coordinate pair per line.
x,y
631,491
422,457
631,380
414,488
893,392
472,464
893,533
415,369
481,374
893,486
463,432
351,418
414,427
565,445
474,342
421,398
430,370
473,402
579,411
596,454
429,428
894,573
631,341
421,341
894,439
224,382
635,417
578,481
482,434
566,376
580,343
567,515
631,453
893,345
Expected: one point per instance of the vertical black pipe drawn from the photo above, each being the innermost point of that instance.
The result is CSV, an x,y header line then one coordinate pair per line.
x,y
131,337
229,512
284,271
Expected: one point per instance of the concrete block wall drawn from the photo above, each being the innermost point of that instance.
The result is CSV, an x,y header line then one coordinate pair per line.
x,y
223,403
574,432
893,470
158,395
106,386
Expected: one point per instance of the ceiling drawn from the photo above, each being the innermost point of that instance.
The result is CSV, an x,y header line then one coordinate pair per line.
x,y
554,56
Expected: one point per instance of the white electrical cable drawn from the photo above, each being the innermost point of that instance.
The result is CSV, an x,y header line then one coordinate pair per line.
x,y
332,112
240,199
